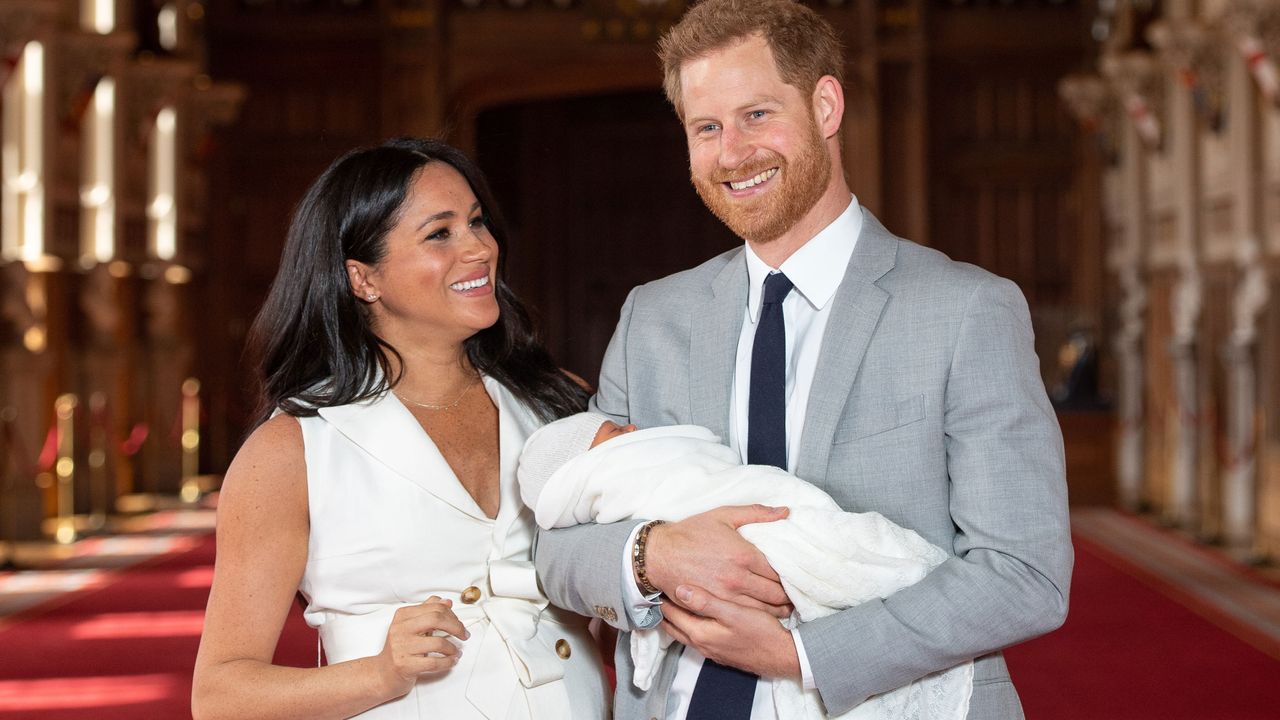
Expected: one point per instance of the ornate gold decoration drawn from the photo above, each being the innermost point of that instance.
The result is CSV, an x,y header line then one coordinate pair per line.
x,y
1136,77
1192,52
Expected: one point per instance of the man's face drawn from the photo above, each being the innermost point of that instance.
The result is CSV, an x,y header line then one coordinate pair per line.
x,y
756,155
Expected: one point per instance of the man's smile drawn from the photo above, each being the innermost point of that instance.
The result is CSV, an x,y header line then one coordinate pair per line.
x,y
753,181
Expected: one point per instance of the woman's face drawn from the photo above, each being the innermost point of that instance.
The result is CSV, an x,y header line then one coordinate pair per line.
x,y
436,282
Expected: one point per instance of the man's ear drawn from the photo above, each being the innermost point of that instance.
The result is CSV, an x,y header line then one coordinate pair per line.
x,y
828,105
362,286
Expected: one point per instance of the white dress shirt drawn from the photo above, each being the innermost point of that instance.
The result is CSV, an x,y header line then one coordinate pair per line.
x,y
816,270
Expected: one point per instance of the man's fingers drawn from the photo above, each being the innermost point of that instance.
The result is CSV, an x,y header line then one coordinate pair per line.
x,y
764,589
739,515
760,566
681,618
675,632
705,604
782,612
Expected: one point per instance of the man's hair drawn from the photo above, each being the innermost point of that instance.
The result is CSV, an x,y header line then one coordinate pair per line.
x,y
805,46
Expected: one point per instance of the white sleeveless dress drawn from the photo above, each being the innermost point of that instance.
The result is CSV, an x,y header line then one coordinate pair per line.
x,y
391,526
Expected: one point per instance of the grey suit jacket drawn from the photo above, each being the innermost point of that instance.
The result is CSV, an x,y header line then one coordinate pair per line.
x,y
927,406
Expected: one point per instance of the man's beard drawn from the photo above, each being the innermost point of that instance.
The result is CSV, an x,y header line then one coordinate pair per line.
x,y
764,219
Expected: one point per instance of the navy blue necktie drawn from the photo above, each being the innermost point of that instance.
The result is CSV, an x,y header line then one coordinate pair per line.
x,y
722,692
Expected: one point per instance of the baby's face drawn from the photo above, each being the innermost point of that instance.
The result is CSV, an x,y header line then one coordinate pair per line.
x,y
610,430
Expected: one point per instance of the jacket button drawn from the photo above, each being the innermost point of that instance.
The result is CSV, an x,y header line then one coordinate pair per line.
x,y
471,595
563,649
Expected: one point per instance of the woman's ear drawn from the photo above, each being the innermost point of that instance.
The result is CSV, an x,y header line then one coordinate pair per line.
x,y
361,285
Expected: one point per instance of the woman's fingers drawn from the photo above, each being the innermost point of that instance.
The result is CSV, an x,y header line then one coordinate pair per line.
x,y
426,655
428,646
419,636
432,615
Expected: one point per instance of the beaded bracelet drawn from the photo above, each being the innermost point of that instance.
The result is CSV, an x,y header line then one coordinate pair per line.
x,y
638,556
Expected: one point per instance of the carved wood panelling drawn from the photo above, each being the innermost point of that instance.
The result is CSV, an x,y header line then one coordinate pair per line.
x,y
1161,405
1269,423
627,213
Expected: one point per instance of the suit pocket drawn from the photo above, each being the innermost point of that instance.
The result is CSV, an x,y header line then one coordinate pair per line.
x,y
878,419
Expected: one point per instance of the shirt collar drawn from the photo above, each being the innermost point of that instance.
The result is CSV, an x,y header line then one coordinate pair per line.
x,y
817,268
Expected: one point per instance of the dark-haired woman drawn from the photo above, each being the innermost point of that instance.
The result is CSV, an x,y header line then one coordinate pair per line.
x,y
400,380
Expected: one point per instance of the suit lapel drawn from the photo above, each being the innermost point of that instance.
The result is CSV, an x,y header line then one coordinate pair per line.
x,y
713,347
385,429
855,313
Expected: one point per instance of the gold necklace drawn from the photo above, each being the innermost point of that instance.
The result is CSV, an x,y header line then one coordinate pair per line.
x,y
435,406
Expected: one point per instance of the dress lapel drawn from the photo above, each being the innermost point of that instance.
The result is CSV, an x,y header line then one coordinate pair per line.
x,y
857,307
515,424
385,429
713,347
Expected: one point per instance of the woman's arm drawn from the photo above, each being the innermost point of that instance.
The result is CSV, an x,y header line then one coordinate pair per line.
x,y
263,526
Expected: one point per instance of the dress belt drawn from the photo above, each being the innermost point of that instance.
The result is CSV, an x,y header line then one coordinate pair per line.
x,y
511,641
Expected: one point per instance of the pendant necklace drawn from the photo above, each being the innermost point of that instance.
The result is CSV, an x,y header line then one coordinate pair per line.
x,y
441,406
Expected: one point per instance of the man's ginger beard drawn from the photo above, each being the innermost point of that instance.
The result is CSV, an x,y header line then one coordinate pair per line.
x,y
763,219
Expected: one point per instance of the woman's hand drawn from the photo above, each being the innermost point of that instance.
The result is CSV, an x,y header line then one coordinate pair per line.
x,y
418,643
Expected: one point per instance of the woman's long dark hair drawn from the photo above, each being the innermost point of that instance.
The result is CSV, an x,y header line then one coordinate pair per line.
x,y
313,341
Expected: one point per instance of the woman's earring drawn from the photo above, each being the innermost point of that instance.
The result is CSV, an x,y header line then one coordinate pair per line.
x,y
371,297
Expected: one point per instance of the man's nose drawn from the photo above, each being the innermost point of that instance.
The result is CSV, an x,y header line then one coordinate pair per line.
x,y
735,148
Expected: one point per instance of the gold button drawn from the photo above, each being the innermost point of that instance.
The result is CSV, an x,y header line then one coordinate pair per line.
x,y
471,595
563,649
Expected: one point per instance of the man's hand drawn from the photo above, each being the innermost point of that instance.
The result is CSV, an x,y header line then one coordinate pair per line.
x,y
707,550
731,634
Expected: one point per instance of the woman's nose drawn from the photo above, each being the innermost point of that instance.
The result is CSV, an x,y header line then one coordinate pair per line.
x,y
480,246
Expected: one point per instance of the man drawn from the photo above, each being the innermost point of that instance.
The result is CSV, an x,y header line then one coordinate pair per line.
x,y
891,377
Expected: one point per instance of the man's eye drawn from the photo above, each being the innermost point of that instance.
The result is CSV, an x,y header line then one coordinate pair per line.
x,y
756,114
709,127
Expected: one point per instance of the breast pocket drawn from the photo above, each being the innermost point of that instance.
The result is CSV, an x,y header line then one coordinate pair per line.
x,y
881,418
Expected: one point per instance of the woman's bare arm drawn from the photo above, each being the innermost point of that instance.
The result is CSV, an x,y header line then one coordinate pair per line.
x,y
263,527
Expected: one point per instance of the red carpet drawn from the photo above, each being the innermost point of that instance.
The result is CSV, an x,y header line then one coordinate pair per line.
x,y
1128,651
126,650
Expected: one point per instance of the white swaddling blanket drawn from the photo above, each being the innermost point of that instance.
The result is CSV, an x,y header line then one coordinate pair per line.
x,y
827,559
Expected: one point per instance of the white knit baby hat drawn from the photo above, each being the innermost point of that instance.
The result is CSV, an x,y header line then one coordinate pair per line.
x,y
553,445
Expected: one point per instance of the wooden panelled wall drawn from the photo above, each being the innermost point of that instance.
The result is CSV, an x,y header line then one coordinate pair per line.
x,y
952,137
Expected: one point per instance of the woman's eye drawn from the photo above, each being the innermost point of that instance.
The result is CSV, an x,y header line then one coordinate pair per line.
x,y
441,234
478,222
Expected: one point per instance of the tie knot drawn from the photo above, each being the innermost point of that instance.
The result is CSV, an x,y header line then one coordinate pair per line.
x,y
776,287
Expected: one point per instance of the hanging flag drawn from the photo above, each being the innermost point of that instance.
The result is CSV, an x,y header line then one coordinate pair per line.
x,y
49,453
137,437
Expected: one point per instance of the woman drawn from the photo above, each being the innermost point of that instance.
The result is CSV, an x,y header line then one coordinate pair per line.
x,y
403,378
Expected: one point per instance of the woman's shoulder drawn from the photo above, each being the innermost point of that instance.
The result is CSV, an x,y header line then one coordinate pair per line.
x,y
268,474
273,448
281,429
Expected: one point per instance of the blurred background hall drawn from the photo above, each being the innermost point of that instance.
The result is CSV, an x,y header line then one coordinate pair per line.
x,y
1118,159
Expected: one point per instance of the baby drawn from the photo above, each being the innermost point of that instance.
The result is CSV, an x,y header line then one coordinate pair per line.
x,y
586,468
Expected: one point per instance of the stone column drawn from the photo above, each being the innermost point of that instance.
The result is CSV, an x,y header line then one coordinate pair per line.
x,y
1254,28
1128,76
1188,55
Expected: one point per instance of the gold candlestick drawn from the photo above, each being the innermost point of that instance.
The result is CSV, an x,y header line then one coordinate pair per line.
x,y
190,440
99,482
65,467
